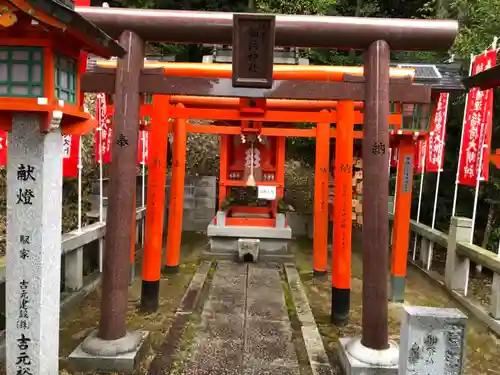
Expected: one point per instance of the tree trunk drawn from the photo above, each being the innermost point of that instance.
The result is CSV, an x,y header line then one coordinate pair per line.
x,y
489,225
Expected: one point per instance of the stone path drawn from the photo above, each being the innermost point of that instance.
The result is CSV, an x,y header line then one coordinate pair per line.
x,y
245,325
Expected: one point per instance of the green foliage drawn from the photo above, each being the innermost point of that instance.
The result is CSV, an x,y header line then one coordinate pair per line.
x,y
479,25
295,7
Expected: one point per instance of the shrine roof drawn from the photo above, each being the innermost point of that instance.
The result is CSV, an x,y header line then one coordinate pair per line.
x,y
451,78
446,78
93,39
487,79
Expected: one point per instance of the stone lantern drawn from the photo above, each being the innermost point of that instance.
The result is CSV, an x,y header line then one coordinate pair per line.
x,y
40,100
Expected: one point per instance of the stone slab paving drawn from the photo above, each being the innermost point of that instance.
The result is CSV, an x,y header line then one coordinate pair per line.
x,y
245,327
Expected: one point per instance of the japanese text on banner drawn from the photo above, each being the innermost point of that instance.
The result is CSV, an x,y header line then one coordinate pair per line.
x,y
393,157
103,140
435,153
420,155
477,127
71,145
142,155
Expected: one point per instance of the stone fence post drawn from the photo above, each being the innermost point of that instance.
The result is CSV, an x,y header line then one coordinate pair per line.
x,y
457,266
73,278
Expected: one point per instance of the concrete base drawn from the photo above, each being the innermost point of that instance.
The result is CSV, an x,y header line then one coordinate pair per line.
x,y
226,248
219,229
121,356
397,289
131,274
248,248
357,359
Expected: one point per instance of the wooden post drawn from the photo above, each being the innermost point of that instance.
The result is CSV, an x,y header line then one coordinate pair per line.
x,y
375,197
121,190
151,266
176,197
342,214
401,228
320,244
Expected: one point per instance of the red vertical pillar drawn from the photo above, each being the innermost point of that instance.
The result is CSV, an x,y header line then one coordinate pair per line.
x,y
342,214
176,197
401,228
320,240
155,204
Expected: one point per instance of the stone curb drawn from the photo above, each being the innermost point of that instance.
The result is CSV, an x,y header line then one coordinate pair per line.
x,y
318,359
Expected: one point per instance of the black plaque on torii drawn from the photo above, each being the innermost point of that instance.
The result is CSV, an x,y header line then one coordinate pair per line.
x,y
253,50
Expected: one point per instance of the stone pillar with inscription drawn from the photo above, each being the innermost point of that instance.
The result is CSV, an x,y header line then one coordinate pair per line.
x,y
34,199
432,341
41,100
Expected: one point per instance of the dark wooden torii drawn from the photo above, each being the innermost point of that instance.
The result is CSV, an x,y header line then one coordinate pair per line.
x,y
374,36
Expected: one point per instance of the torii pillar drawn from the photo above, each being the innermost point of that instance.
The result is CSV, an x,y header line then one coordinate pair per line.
x,y
374,350
112,348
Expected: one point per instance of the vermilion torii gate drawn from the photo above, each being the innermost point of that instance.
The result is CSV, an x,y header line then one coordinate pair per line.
x,y
375,36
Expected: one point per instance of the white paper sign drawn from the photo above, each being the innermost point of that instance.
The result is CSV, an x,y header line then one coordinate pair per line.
x,y
266,192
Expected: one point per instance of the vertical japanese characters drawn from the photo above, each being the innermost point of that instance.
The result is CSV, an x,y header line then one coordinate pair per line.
x,y
477,127
407,164
454,348
142,154
103,134
26,175
253,49
435,154
346,204
420,155
71,155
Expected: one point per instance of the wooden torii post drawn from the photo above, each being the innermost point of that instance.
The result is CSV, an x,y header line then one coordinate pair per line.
x,y
374,36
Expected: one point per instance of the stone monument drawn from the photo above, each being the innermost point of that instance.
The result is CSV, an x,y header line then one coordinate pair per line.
x,y
432,341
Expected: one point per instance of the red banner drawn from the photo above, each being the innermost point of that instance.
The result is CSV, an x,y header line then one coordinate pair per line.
x,y
103,134
3,148
420,155
437,136
71,146
143,140
477,127
488,114
394,157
